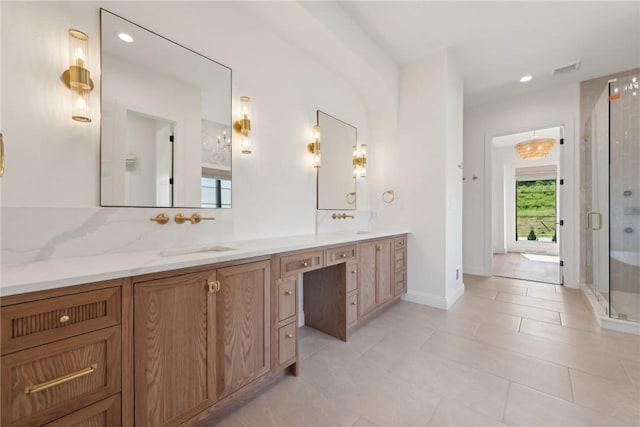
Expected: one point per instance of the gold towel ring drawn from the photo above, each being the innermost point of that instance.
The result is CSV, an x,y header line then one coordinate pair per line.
x,y
351,198
388,196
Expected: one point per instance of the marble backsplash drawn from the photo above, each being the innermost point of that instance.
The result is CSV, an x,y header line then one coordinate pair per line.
x,y
326,224
37,234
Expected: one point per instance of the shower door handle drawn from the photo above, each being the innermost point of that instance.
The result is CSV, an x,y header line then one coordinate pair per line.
x,y
590,223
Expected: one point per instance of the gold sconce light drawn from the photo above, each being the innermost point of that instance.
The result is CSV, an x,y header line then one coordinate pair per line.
x,y
314,147
77,77
243,125
360,161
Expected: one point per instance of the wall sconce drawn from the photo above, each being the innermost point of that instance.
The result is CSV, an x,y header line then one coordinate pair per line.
x,y
77,77
243,125
314,147
360,161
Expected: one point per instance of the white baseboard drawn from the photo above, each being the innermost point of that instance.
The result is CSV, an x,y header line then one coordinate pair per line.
x,y
455,295
476,271
426,299
434,300
301,319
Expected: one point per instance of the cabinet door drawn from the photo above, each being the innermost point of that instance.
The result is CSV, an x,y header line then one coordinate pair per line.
x,y
174,331
367,277
384,283
242,326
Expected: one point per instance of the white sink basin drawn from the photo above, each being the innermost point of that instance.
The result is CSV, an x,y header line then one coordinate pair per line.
x,y
187,251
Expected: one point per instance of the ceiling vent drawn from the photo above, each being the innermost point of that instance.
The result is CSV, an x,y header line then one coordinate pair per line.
x,y
565,69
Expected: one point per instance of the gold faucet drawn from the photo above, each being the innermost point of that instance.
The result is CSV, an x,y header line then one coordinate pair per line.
x,y
193,219
341,216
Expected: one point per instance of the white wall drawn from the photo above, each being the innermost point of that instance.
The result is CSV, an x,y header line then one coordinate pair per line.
x,y
50,193
430,189
559,107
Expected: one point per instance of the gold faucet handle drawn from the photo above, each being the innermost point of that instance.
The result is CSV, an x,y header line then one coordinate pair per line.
x,y
161,218
196,218
181,219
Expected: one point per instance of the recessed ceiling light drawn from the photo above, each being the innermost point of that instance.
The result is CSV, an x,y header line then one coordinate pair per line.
x,y
125,37
525,79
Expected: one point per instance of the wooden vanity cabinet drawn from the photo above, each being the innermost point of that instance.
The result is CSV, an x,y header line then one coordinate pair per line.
x,y
375,275
400,265
199,337
61,352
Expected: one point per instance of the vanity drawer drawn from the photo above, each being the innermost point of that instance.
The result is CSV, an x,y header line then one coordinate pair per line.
x,y
301,262
287,300
400,242
34,323
352,309
352,276
401,283
44,383
400,260
287,337
340,254
105,413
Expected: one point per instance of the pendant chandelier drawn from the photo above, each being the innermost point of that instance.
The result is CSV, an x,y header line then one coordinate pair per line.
x,y
536,148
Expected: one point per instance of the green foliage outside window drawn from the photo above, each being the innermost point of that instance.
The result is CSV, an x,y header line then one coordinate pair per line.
x,y
536,209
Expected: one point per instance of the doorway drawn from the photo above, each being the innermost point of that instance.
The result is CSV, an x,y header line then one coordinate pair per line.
x,y
526,223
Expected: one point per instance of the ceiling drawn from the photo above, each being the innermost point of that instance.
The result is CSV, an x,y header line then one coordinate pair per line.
x,y
496,43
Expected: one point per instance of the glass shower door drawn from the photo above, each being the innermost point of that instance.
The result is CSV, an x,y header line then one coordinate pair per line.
x,y
597,219
624,198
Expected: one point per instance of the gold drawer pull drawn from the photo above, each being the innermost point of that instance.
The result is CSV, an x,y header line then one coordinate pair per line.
x,y
60,380
378,248
354,271
288,335
288,292
214,286
305,264
64,318
401,243
343,255
353,303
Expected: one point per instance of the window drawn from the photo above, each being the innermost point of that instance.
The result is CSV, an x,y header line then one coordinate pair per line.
x,y
536,210
215,191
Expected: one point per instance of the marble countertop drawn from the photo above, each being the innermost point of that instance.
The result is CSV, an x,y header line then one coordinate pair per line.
x,y
55,273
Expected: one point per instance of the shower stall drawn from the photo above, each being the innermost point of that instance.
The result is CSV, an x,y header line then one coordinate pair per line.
x,y
611,196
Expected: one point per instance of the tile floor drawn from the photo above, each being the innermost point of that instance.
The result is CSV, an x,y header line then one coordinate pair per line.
x,y
509,352
520,266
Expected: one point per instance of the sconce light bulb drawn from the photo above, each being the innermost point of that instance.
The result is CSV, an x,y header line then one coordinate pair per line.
x,y
317,160
316,133
79,57
244,107
246,145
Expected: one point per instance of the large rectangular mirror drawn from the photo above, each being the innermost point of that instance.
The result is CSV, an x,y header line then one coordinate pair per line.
x,y
336,183
166,121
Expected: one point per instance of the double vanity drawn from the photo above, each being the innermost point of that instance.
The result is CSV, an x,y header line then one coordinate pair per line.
x,y
175,337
